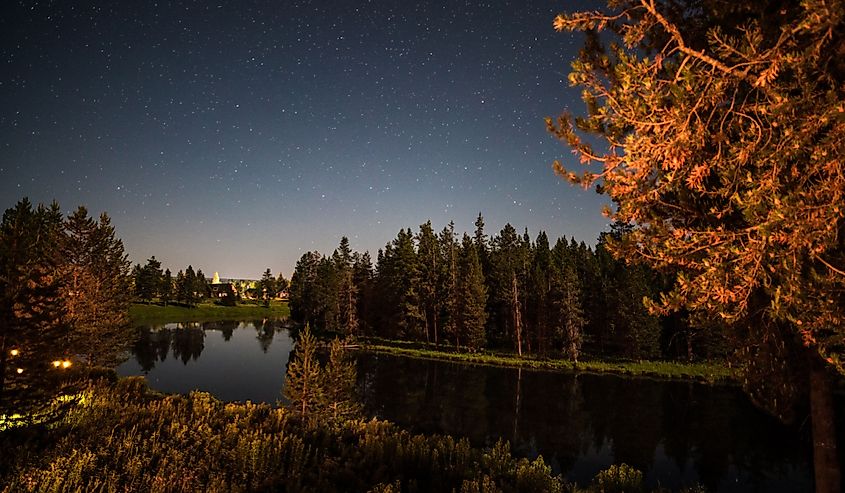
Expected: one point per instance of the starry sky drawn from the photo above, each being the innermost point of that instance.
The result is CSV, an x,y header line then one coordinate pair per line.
x,y
237,135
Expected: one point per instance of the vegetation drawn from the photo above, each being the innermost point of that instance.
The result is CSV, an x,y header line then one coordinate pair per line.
x,y
151,314
319,395
504,293
724,135
709,372
124,437
63,304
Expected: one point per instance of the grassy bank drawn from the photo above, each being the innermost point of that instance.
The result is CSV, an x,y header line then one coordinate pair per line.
x,y
708,372
142,314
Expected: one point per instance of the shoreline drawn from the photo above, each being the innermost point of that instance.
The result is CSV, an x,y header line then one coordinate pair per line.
x,y
711,373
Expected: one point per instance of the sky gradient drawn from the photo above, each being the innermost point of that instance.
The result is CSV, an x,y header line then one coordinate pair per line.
x,y
235,136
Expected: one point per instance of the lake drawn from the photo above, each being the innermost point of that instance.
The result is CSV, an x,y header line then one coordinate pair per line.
x,y
675,432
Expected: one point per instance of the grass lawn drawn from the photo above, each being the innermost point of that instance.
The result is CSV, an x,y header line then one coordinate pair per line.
x,y
708,372
142,314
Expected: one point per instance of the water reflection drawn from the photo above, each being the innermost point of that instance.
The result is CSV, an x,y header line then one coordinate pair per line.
x,y
236,361
676,432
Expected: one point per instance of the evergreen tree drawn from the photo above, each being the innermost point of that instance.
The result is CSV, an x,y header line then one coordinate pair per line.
x,y
450,252
472,298
362,277
539,286
167,289
148,283
180,287
428,253
190,289
303,387
339,379
399,276
32,315
95,288
301,291
566,311
347,291
509,259
201,287
725,137
267,287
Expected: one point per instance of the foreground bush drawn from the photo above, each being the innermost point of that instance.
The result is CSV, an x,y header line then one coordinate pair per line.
x,y
124,437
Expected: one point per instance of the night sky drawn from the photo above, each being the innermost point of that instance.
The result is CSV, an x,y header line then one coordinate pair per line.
x,y
237,135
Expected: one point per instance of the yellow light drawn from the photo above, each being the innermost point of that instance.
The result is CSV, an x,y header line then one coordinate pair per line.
x,y
57,363
66,364
15,352
20,370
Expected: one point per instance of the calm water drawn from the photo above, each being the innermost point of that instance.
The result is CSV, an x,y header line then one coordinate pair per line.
x,y
677,433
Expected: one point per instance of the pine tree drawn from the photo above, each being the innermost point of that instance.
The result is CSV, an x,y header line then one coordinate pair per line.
x,y
181,287
190,287
724,136
167,287
201,286
450,252
303,386
472,298
33,326
347,291
339,380
267,287
148,283
428,253
95,288
362,277
566,310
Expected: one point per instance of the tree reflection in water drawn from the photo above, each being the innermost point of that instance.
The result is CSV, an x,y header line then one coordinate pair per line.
x,y
677,433
186,341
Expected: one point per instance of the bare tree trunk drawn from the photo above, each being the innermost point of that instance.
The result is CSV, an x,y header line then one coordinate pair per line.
x,y
825,460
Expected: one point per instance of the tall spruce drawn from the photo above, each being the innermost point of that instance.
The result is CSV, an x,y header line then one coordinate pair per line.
x,y
303,387
471,298
347,291
148,280
428,253
267,287
33,327
95,288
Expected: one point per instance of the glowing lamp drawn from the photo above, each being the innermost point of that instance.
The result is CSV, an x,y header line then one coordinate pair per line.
x,y
20,370
14,352
57,363
66,364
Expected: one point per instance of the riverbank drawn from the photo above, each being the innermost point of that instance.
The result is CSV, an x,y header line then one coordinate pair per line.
x,y
151,314
706,372
124,437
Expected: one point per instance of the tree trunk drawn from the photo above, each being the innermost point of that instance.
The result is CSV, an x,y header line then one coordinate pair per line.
x,y
825,460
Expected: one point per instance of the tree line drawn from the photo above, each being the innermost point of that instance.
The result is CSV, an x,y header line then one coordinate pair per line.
x,y
506,292
150,282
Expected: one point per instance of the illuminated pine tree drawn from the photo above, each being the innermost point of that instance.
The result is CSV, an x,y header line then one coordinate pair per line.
x,y
303,381
723,147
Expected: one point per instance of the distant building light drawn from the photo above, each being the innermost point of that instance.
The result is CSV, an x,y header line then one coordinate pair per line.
x,y
66,364
14,352
57,363
20,370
